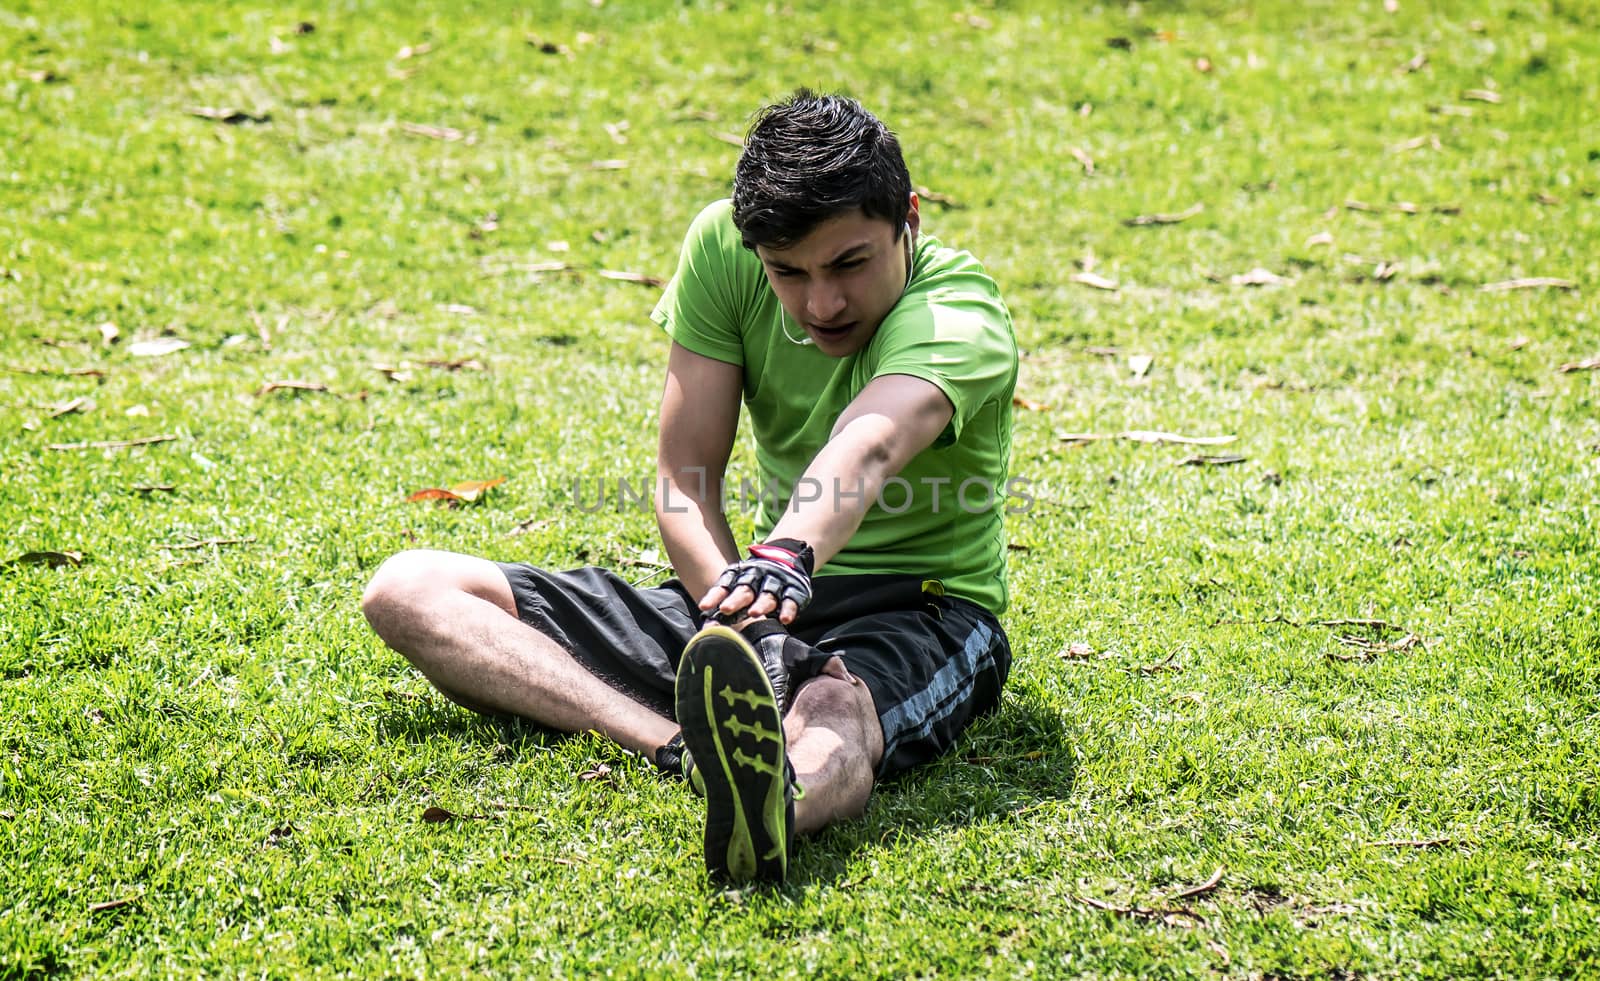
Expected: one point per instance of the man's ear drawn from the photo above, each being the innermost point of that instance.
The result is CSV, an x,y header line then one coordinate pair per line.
x,y
913,216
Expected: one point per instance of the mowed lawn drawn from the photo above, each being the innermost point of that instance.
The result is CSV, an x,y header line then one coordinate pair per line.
x,y
1314,697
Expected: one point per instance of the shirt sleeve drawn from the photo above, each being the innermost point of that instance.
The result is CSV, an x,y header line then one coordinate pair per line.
x,y
700,308
961,343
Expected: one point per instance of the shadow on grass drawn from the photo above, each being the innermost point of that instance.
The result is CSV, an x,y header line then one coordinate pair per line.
x,y
1006,762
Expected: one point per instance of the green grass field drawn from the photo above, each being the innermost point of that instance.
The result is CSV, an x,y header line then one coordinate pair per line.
x,y
210,766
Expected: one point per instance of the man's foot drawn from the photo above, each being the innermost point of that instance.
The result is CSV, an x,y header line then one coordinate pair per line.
x,y
733,730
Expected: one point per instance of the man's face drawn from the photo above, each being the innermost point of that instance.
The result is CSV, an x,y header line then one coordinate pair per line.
x,y
841,280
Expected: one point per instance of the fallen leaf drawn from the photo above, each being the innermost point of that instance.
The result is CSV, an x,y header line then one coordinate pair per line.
x,y
392,372
137,411
1140,364
444,133
1417,143
549,47
608,165
1588,364
531,525
1529,283
1412,843
108,333
1320,238
1211,461
1095,280
1257,277
114,444
232,117
1521,341
1166,219
1445,209
459,309
203,543
54,560
633,277
936,197
558,245
1151,437
1029,404
437,815
1018,547
413,51
291,385
1202,888
1418,62
458,364
1084,160
1385,271
158,347
1351,204
599,772
1546,198
79,404
433,494
1406,207
113,904
471,490
1482,95
1076,651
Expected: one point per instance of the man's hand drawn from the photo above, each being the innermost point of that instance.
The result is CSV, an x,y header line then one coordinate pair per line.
x,y
776,577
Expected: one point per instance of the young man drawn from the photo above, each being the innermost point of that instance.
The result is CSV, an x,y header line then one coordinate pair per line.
x,y
858,636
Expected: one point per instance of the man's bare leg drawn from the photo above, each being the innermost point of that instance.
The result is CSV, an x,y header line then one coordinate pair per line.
x,y
835,744
454,618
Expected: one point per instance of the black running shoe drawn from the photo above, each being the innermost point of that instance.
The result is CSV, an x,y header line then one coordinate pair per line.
x,y
733,730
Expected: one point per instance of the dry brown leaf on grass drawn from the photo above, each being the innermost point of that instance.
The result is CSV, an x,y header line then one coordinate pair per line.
x,y
1522,341
1201,460
1029,404
445,133
465,492
1418,62
1416,143
80,404
157,347
291,385
204,543
114,444
1076,651
413,51
633,277
1094,280
232,117
54,560
1587,364
1165,219
1413,843
1084,160
1529,283
935,197
1320,238
457,364
529,526
1147,436
1204,887
112,904
1257,277
438,815
1483,95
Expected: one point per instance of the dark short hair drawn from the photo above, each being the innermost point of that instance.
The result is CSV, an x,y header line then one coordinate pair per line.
x,y
812,157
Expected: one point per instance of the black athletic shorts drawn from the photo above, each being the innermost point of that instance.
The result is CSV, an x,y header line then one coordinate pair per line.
x,y
932,663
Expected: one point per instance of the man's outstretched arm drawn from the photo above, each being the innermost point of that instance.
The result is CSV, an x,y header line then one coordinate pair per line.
x,y
699,418
893,419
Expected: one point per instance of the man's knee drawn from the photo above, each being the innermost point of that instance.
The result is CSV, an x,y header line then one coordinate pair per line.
x,y
844,706
409,582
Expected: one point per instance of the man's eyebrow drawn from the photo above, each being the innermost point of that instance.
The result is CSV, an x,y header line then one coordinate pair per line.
x,y
835,262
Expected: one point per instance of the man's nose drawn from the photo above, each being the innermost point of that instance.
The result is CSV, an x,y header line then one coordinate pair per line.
x,y
824,302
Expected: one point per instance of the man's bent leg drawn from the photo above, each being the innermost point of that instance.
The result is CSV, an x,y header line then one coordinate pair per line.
x,y
835,745
454,617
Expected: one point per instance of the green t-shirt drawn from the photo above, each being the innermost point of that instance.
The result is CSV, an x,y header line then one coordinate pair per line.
x,y
943,517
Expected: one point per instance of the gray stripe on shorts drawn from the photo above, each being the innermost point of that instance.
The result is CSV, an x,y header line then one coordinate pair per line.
x,y
916,716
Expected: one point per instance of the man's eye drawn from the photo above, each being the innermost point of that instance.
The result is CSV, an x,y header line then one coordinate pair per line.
x,y
852,264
